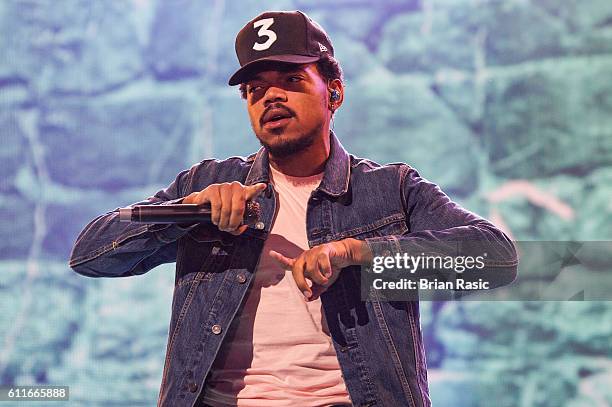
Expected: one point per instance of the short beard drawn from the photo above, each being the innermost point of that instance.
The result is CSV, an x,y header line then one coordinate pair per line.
x,y
291,147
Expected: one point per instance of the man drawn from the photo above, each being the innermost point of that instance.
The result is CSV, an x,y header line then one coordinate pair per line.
x,y
272,315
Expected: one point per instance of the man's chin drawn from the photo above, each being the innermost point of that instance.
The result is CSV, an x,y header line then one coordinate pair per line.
x,y
282,146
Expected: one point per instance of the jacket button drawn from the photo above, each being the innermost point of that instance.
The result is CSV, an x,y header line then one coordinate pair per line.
x,y
241,278
216,329
192,387
260,225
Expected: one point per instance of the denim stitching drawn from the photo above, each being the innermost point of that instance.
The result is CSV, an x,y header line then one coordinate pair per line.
x,y
362,370
417,353
389,220
104,249
179,321
395,356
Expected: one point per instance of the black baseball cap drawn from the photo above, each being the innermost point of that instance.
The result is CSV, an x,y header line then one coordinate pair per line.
x,y
281,36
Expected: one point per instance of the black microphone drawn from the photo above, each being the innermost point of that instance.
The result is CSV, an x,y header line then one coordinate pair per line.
x,y
184,213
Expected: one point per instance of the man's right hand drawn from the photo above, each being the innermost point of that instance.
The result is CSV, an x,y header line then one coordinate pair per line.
x,y
227,203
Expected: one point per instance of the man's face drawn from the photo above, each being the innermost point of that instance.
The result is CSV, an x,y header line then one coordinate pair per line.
x,y
287,106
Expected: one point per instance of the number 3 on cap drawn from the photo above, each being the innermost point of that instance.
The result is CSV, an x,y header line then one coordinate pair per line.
x,y
265,23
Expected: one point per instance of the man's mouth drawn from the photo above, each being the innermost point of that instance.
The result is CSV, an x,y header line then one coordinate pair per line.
x,y
275,117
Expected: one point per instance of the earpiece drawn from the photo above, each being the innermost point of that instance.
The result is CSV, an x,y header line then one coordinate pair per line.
x,y
334,96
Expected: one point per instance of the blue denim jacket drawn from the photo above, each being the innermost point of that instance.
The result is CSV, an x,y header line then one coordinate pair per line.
x,y
378,343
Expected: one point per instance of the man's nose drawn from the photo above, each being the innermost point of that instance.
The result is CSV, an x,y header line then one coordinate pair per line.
x,y
275,94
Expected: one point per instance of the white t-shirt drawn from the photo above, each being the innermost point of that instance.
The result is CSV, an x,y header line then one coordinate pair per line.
x,y
278,351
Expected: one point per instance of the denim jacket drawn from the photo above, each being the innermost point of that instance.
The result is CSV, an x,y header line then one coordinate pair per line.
x,y
378,343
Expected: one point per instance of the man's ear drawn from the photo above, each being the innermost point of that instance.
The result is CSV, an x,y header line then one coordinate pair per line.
x,y
335,92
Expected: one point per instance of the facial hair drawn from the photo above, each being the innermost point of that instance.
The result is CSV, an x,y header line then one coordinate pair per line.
x,y
290,147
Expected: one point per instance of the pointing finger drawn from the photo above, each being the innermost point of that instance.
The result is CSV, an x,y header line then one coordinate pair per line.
x,y
284,261
253,190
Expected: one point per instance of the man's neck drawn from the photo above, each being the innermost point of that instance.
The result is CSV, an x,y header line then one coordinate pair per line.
x,y
307,162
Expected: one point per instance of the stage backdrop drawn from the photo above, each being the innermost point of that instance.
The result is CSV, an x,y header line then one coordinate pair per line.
x,y
506,104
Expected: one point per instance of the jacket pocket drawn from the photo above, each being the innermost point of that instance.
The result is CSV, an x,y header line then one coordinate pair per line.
x,y
390,225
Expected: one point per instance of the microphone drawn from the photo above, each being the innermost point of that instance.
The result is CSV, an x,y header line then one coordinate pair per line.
x,y
184,213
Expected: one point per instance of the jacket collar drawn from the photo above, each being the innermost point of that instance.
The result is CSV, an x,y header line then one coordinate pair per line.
x,y
336,175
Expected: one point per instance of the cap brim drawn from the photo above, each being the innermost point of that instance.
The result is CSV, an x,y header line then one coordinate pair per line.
x,y
242,74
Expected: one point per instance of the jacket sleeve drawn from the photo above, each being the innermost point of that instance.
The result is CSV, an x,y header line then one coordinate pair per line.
x,y
440,227
109,248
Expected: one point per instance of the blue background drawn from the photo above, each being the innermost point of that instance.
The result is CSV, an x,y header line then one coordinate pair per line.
x,y
505,104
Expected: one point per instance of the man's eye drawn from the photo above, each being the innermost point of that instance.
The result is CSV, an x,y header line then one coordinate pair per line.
x,y
254,88
295,78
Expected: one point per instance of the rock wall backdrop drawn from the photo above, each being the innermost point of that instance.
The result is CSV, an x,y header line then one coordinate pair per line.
x,y
506,104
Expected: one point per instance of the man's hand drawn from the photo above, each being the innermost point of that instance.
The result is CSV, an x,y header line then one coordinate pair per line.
x,y
227,203
322,264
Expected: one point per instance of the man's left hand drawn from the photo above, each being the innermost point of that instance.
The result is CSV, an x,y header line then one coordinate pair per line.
x,y
322,264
